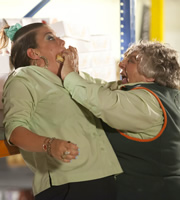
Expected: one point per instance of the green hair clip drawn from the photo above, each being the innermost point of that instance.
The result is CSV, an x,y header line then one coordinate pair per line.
x,y
10,32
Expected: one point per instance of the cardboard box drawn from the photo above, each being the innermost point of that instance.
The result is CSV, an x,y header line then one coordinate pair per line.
x,y
96,43
68,29
87,70
85,60
108,73
81,45
4,63
100,43
102,58
29,20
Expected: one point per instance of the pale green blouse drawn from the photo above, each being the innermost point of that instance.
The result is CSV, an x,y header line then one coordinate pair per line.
x,y
35,98
135,112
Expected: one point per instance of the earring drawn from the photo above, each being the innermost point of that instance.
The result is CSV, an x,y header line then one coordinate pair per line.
x,y
34,62
45,61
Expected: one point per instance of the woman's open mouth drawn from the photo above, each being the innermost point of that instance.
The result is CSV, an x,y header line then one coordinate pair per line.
x,y
124,79
124,76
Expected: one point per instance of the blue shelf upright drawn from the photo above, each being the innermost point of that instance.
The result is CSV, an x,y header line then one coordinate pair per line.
x,y
40,5
127,24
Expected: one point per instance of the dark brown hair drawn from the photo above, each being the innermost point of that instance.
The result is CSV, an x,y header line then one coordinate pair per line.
x,y
23,39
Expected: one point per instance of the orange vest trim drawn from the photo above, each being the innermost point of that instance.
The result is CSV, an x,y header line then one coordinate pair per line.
x,y
163,127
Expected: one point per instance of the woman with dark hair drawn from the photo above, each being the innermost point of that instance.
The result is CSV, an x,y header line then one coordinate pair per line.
x,y
144,109
61,141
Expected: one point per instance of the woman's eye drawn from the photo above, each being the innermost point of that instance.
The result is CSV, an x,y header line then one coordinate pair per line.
x,y
132,60
50,37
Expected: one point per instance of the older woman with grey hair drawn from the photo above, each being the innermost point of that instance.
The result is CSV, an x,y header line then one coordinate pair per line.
x,y
144,110
157,61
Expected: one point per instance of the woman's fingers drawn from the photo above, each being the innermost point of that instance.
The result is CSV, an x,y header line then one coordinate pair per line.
x,y
64,150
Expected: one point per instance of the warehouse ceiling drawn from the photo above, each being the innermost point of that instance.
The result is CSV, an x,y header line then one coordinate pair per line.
x,y
16,8
93,12
19,8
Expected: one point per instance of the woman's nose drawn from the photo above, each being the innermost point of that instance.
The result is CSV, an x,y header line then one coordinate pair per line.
x,y
61,42
122,64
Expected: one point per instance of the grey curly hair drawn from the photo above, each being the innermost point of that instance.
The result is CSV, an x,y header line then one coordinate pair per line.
x,y
158,61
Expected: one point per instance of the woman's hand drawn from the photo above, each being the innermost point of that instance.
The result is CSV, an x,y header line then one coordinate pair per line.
x,y
59,149
71,62
64,150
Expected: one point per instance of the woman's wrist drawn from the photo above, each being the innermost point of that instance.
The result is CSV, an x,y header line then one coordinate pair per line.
x,y
47,145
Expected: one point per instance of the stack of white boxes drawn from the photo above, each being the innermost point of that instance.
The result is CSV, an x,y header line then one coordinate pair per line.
x,y
95,55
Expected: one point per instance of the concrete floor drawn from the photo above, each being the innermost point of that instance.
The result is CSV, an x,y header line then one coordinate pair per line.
x,y
16,178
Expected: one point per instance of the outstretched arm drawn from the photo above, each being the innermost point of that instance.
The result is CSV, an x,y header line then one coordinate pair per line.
x,y
29,141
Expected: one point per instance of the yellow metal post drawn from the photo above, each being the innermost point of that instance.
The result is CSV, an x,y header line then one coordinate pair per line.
x,y
157,23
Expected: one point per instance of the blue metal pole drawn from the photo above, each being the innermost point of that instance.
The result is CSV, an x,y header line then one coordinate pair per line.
x,y
36,8
127,24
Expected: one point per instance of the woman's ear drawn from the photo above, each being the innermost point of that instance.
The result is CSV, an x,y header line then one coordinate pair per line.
x,y
32,53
